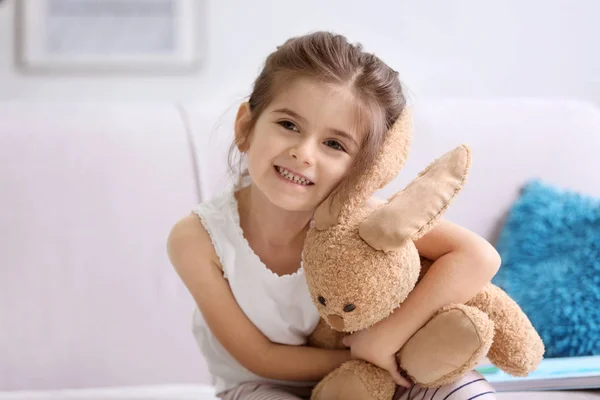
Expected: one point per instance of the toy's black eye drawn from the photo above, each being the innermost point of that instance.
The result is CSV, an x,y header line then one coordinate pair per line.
x,y
349,307
322,300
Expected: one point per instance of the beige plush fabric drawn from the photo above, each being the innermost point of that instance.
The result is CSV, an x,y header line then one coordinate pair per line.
x,y
355,380
360,263
386,166
326,337
517,347
456,338
412,213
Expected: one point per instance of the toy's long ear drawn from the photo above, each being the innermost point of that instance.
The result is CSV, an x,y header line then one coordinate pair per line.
x,y
388,163
414,211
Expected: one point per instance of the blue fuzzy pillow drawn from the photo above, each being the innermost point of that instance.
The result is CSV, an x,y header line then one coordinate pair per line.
x,y
550,248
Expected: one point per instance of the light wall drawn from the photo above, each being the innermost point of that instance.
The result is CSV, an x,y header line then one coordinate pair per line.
x,y
449,48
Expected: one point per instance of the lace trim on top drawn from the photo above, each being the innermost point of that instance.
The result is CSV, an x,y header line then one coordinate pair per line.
x,y
233,204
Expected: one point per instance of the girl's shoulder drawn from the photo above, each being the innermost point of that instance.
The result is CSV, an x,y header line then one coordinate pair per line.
x,y
223,202
219,220
217,205
190,246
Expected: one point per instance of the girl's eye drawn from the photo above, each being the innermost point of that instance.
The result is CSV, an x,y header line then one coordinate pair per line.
x,y
290,126
334,144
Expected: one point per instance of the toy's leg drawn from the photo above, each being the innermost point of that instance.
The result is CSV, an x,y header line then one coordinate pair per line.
x,y
355,380
517,347
448,346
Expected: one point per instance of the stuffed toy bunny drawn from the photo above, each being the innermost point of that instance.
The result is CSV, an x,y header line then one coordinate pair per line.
x,y
361,263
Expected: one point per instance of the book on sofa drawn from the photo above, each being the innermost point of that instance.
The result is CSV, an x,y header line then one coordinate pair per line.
x,y
552,374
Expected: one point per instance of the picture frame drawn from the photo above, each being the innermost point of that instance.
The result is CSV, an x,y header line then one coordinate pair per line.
x,y
109,36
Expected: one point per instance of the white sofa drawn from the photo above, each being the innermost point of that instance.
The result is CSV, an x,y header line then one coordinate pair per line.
x,y
88,193
87,296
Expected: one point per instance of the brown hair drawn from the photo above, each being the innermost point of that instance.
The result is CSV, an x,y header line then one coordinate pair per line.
x,y
329,58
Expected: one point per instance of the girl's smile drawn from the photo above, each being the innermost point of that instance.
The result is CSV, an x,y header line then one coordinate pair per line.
x,y
303,144
293,177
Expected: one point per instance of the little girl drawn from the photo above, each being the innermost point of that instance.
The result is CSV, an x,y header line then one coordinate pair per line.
x,y
315,119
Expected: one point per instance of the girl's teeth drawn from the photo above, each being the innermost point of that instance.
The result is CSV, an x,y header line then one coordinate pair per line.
x,y
292,177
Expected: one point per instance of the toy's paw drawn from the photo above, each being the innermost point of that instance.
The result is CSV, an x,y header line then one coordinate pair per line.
x,y
517,349
355,380
448,346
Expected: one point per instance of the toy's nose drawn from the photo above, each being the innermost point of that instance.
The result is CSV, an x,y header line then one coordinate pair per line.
x,y
336,322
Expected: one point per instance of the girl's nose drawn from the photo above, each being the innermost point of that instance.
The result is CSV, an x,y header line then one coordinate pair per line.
x,y
303,152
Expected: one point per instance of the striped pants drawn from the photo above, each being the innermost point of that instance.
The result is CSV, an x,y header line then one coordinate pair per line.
x,y
471,386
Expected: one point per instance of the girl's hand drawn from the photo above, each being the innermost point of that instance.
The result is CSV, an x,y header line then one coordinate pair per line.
x,y
367,346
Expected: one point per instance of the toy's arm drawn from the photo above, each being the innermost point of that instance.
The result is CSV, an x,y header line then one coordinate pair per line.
x,y
411,213
326,338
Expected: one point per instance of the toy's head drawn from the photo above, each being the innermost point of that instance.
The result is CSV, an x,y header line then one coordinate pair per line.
x,y
359,258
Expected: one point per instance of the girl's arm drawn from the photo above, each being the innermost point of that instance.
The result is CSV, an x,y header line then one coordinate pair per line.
x,y
463,263
192,254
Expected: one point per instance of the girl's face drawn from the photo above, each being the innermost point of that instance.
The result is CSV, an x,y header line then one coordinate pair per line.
x,y
303,144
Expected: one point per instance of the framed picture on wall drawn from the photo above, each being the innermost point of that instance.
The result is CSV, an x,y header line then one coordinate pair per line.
x,y
109,35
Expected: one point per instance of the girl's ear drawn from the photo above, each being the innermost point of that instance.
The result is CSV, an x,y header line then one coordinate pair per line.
x,y
242,126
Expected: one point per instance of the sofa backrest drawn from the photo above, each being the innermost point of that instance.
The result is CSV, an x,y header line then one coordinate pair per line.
x,y
88,194
512,140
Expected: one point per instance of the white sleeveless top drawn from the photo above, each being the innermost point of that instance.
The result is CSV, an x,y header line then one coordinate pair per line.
x,y
279,306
